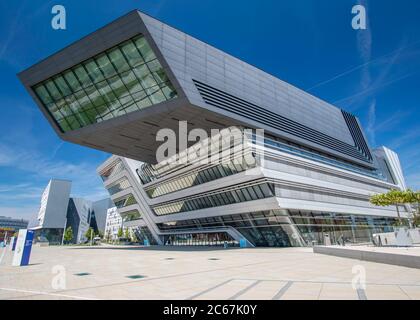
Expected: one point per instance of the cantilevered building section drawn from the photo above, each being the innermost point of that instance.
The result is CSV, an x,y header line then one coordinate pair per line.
x,y
114,89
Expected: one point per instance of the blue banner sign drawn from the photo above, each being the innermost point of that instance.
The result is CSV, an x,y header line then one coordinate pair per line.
x,y
23,248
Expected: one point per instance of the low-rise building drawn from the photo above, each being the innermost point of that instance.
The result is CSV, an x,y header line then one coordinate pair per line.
x,y
60,211
113,224
8,226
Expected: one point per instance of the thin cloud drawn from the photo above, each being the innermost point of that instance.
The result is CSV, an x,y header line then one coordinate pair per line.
x,y
390,122
364,47
372,122
23,212
413,180
33,162
39,169
384,59
374,88
408,137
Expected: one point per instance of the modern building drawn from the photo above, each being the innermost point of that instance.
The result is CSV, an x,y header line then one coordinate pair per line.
x,y
8,226
113,224
100,213
52,214
59,210
309,177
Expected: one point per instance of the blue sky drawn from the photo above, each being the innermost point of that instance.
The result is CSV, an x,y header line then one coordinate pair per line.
x,y
374,74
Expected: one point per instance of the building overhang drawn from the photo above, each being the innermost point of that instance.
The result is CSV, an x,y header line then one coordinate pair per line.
x,y
133,135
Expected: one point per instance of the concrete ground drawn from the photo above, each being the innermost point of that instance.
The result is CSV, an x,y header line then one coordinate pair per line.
x,y
200,273
410,251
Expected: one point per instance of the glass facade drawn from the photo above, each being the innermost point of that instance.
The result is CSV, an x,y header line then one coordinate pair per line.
x,y
313,226
115,168
262,229
53,236
273,228
143,233
123,79
131,215
199,177
119,186
200,239
126,201
228,145
253,192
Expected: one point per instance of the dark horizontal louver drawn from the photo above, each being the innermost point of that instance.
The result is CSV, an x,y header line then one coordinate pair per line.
x,y
357,134
228,102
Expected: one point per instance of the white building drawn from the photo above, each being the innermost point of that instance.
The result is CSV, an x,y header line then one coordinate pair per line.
x,y
113,224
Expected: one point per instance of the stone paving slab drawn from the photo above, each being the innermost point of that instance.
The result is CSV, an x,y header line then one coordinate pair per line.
x,y
403,256
198,273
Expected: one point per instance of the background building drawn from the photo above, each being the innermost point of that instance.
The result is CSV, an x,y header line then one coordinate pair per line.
x,y
310,177
10,225
52,215
113,224
59,211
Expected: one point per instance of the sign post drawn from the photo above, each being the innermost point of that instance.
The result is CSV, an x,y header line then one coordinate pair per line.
x,y
12,244
23,247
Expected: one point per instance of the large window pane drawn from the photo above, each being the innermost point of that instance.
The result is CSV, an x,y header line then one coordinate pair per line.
x,y
125,78
105,66
118,60
144,49
43,95
53,91
72,81
145,77
132,54
93,71
82,76
62,85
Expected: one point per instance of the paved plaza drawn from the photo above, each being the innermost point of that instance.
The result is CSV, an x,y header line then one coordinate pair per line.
x,y
114,272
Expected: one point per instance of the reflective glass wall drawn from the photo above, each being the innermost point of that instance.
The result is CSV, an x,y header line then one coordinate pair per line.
x,y
143,233
314,226
125,201
217,199
123,79
270,228
199,177
200,239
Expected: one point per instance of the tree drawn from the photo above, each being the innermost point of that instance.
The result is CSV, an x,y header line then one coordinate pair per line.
x,y
120,233
100,234
68,235
89,234
127,234
108,235
396,198
413,197
416,220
